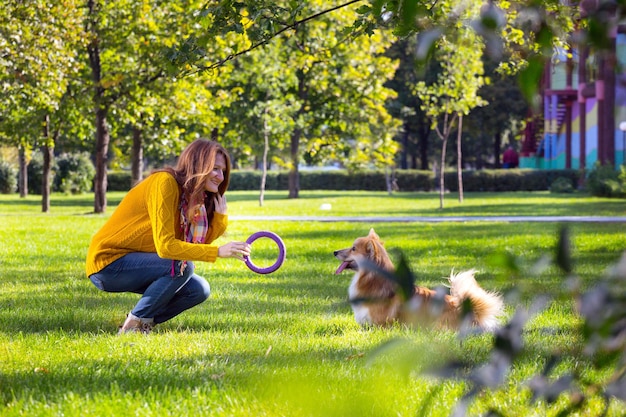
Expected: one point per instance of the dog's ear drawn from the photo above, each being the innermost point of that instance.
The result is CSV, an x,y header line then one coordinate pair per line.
x,y
374,237
375,250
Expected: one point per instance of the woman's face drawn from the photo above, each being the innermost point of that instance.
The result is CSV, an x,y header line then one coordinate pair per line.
x,y
217,175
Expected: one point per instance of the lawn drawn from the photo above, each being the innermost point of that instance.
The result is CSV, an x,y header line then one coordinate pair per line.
x,y
286,344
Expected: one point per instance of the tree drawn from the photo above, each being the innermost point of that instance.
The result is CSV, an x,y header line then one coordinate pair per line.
x,y
158,111
328,91
130,50
455,93
527,28
157,120
501,120
38,43
416,129
261,118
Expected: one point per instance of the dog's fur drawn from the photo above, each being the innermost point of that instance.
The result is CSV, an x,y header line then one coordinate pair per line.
x,y
375,299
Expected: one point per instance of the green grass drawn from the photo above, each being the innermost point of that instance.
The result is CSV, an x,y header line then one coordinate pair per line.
x,y
284,344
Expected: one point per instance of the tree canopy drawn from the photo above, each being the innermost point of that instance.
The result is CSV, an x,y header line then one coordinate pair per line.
x,y
314,79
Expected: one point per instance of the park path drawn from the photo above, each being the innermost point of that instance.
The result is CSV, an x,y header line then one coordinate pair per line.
x,y
441,219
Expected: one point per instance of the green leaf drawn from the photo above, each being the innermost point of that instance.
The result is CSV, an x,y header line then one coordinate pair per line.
x,y
530,77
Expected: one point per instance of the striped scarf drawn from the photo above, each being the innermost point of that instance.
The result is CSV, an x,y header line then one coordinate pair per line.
x,y
194,231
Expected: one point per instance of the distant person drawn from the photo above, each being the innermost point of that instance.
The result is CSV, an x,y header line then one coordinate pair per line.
x,y
166,221
510,159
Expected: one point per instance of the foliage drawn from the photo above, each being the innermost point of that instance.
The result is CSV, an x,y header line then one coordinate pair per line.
x,y
165,110
8,178
74,174
119,181
35,173
454,94
159,82
488,128
605,181
39,42
406,106
562,185
526,30
317,94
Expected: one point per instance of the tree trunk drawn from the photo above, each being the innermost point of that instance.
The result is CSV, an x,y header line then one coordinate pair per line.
x,y
441,171
136,157
390,180
100,108
497,146
423,147
102,150
266,147
48,156
459,160
22,183
447,126
404,155
294,175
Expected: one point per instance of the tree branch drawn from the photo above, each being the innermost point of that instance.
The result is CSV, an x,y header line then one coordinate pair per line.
x,y
294,25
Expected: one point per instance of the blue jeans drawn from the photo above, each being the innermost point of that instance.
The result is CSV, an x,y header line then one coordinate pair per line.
x,y
164,295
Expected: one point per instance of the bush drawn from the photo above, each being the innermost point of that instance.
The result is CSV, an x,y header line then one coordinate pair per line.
x,y
8,178
604,181
562,185
119,181
75,173
34,170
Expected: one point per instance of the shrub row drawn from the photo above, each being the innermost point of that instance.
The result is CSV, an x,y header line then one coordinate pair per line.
x,y
410,180
333,180
74,174
405,180
511,179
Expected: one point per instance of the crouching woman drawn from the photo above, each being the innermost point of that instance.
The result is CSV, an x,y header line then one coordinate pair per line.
x,y
161,226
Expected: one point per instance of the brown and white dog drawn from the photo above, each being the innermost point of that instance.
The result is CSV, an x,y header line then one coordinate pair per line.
x,y
376,299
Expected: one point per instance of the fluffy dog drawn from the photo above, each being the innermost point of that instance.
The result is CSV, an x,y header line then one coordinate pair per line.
x,y
376,299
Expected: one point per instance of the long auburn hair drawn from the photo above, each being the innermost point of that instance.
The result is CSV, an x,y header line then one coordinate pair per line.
x,y
192,169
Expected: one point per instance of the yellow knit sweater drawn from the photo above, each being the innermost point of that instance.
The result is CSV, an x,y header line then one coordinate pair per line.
x,y
148,220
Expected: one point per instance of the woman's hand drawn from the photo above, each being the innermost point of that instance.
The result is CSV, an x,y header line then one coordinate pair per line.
x,y
237,250
219,202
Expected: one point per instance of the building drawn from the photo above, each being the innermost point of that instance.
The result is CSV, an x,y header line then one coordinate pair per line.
x,y
584,106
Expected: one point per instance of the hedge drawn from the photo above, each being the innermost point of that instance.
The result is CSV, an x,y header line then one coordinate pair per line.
x,y
511,179
405,180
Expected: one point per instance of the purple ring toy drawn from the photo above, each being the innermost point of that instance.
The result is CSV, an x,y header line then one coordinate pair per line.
x,y
281,252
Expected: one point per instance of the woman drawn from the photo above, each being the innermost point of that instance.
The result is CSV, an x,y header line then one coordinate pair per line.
x,y
163,223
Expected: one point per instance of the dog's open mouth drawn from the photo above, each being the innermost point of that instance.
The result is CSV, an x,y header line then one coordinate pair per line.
x,y
344,265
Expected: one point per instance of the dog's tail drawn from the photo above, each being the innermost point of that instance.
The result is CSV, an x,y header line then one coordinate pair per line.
x,y
486,306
